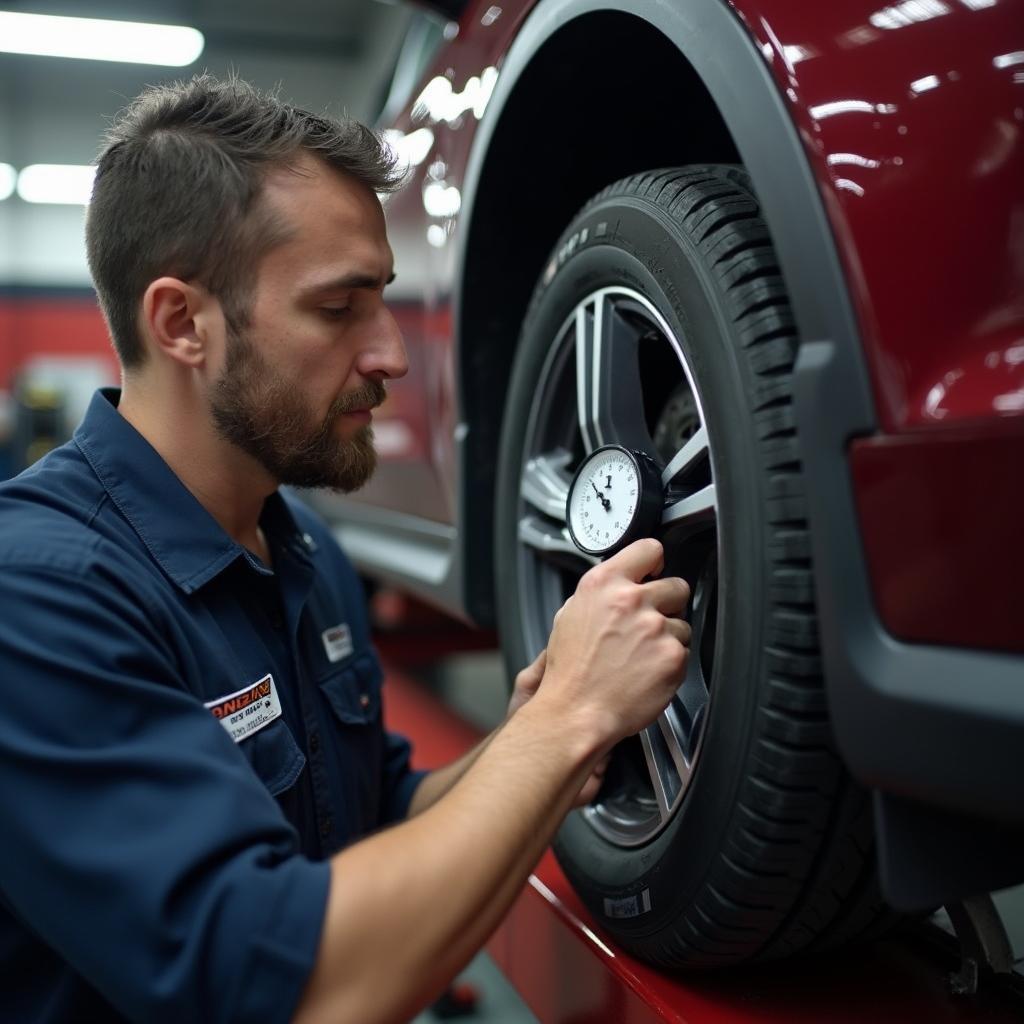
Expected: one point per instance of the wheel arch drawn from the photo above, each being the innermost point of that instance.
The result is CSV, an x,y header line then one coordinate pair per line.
x,y
689,86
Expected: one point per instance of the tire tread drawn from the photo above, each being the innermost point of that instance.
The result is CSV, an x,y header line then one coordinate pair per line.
x,y
802,828
795,869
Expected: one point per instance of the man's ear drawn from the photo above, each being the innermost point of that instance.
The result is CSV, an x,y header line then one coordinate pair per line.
x,y
177,317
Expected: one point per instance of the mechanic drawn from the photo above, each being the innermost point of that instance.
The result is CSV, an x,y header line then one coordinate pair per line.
x,y
193,770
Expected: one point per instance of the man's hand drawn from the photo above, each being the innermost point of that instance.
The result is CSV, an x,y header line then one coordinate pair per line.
x,y
527,683
618,649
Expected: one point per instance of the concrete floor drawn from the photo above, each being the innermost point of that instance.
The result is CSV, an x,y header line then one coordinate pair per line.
x,y
499,1002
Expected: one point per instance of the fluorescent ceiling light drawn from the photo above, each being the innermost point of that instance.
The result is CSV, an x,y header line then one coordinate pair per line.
x,y
8,176
411,149
795,54
819,113
131,42
56,183
852,158
908,13
441,103
441,200
924,84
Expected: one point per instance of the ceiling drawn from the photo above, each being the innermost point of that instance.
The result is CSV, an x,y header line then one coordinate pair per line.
x,y
302,27
323,54
334,56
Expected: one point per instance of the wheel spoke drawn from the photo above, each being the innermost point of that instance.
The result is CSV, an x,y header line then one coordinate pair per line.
x,y
545,483
551,540
661,767
609,392
694,510
675,736
693,695
694,449
701,602
655,767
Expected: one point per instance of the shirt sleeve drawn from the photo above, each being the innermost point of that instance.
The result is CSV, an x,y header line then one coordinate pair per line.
x,y
400,780
138,843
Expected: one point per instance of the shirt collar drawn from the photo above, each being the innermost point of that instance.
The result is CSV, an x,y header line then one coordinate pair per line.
x,y
181,536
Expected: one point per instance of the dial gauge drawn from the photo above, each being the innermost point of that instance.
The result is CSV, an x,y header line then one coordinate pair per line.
x,y
616,497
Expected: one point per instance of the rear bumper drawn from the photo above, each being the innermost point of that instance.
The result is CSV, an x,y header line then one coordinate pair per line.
x,y
941,514
930,723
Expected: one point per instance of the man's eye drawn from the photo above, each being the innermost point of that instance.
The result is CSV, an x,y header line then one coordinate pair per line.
x,y
334,312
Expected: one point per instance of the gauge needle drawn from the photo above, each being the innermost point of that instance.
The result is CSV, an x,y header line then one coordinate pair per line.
x,y
604,501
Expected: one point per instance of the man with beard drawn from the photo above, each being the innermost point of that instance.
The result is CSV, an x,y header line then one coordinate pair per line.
x,y
193,770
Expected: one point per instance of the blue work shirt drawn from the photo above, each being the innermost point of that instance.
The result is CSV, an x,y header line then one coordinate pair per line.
x,y
154,865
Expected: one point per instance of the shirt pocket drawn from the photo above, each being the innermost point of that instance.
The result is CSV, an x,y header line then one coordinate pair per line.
x,y
353,691
356,749
275,756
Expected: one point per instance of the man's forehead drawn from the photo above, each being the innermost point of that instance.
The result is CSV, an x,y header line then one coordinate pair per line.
x,y
333,226
307,179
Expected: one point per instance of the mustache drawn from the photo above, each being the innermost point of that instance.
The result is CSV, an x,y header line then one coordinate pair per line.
x,y
366,396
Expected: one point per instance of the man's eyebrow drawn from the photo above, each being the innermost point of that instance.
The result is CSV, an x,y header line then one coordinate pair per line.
x,y
356,279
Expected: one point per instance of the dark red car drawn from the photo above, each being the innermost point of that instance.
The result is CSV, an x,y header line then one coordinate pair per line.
x,y
777,248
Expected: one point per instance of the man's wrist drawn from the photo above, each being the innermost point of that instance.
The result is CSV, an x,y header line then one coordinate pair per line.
x,y
581,732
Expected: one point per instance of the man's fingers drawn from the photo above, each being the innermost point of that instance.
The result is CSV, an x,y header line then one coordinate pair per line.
x,y
680,629
593,784
670,595
640,559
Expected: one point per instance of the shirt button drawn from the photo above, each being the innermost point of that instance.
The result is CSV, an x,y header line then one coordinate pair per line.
x,y
364,700
314,742
325,828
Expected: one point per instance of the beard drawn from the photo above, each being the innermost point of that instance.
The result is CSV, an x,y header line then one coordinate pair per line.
x,y
266,415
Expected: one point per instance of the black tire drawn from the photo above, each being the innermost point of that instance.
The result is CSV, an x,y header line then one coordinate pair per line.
x,y
769,849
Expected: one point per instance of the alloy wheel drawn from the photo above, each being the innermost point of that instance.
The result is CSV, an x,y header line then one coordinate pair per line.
x,y
617,373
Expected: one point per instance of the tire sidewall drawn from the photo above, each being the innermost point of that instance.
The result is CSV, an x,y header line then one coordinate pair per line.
x,y
623,240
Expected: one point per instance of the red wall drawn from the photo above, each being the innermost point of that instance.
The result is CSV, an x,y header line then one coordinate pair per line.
x,y
34,325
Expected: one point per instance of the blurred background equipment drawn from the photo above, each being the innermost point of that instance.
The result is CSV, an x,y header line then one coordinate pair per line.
x,y
65,71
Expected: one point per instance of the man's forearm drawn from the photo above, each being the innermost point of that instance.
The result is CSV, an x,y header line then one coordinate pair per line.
x,y
440,781
410,906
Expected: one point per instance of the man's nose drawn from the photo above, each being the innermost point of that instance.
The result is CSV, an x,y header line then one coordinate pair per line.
x,y
384,354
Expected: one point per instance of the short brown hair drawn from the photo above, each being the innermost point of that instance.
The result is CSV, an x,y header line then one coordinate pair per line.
x,y
177,188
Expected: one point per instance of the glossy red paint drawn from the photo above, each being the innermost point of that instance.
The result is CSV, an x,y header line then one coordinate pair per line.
x,y
569,973
912,115
422,226
942,516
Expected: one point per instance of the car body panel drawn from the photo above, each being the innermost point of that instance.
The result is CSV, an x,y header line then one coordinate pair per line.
x,y
911,314
944,569
911,114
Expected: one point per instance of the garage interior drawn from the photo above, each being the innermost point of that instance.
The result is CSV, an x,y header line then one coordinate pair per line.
x,y
446,683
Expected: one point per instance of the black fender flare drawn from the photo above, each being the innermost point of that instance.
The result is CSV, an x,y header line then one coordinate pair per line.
x,y
727,59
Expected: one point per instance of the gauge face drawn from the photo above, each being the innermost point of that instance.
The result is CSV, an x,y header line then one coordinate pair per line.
x,y
604,499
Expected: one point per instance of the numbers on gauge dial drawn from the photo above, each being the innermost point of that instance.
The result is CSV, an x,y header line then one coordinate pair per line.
x,y
604,500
